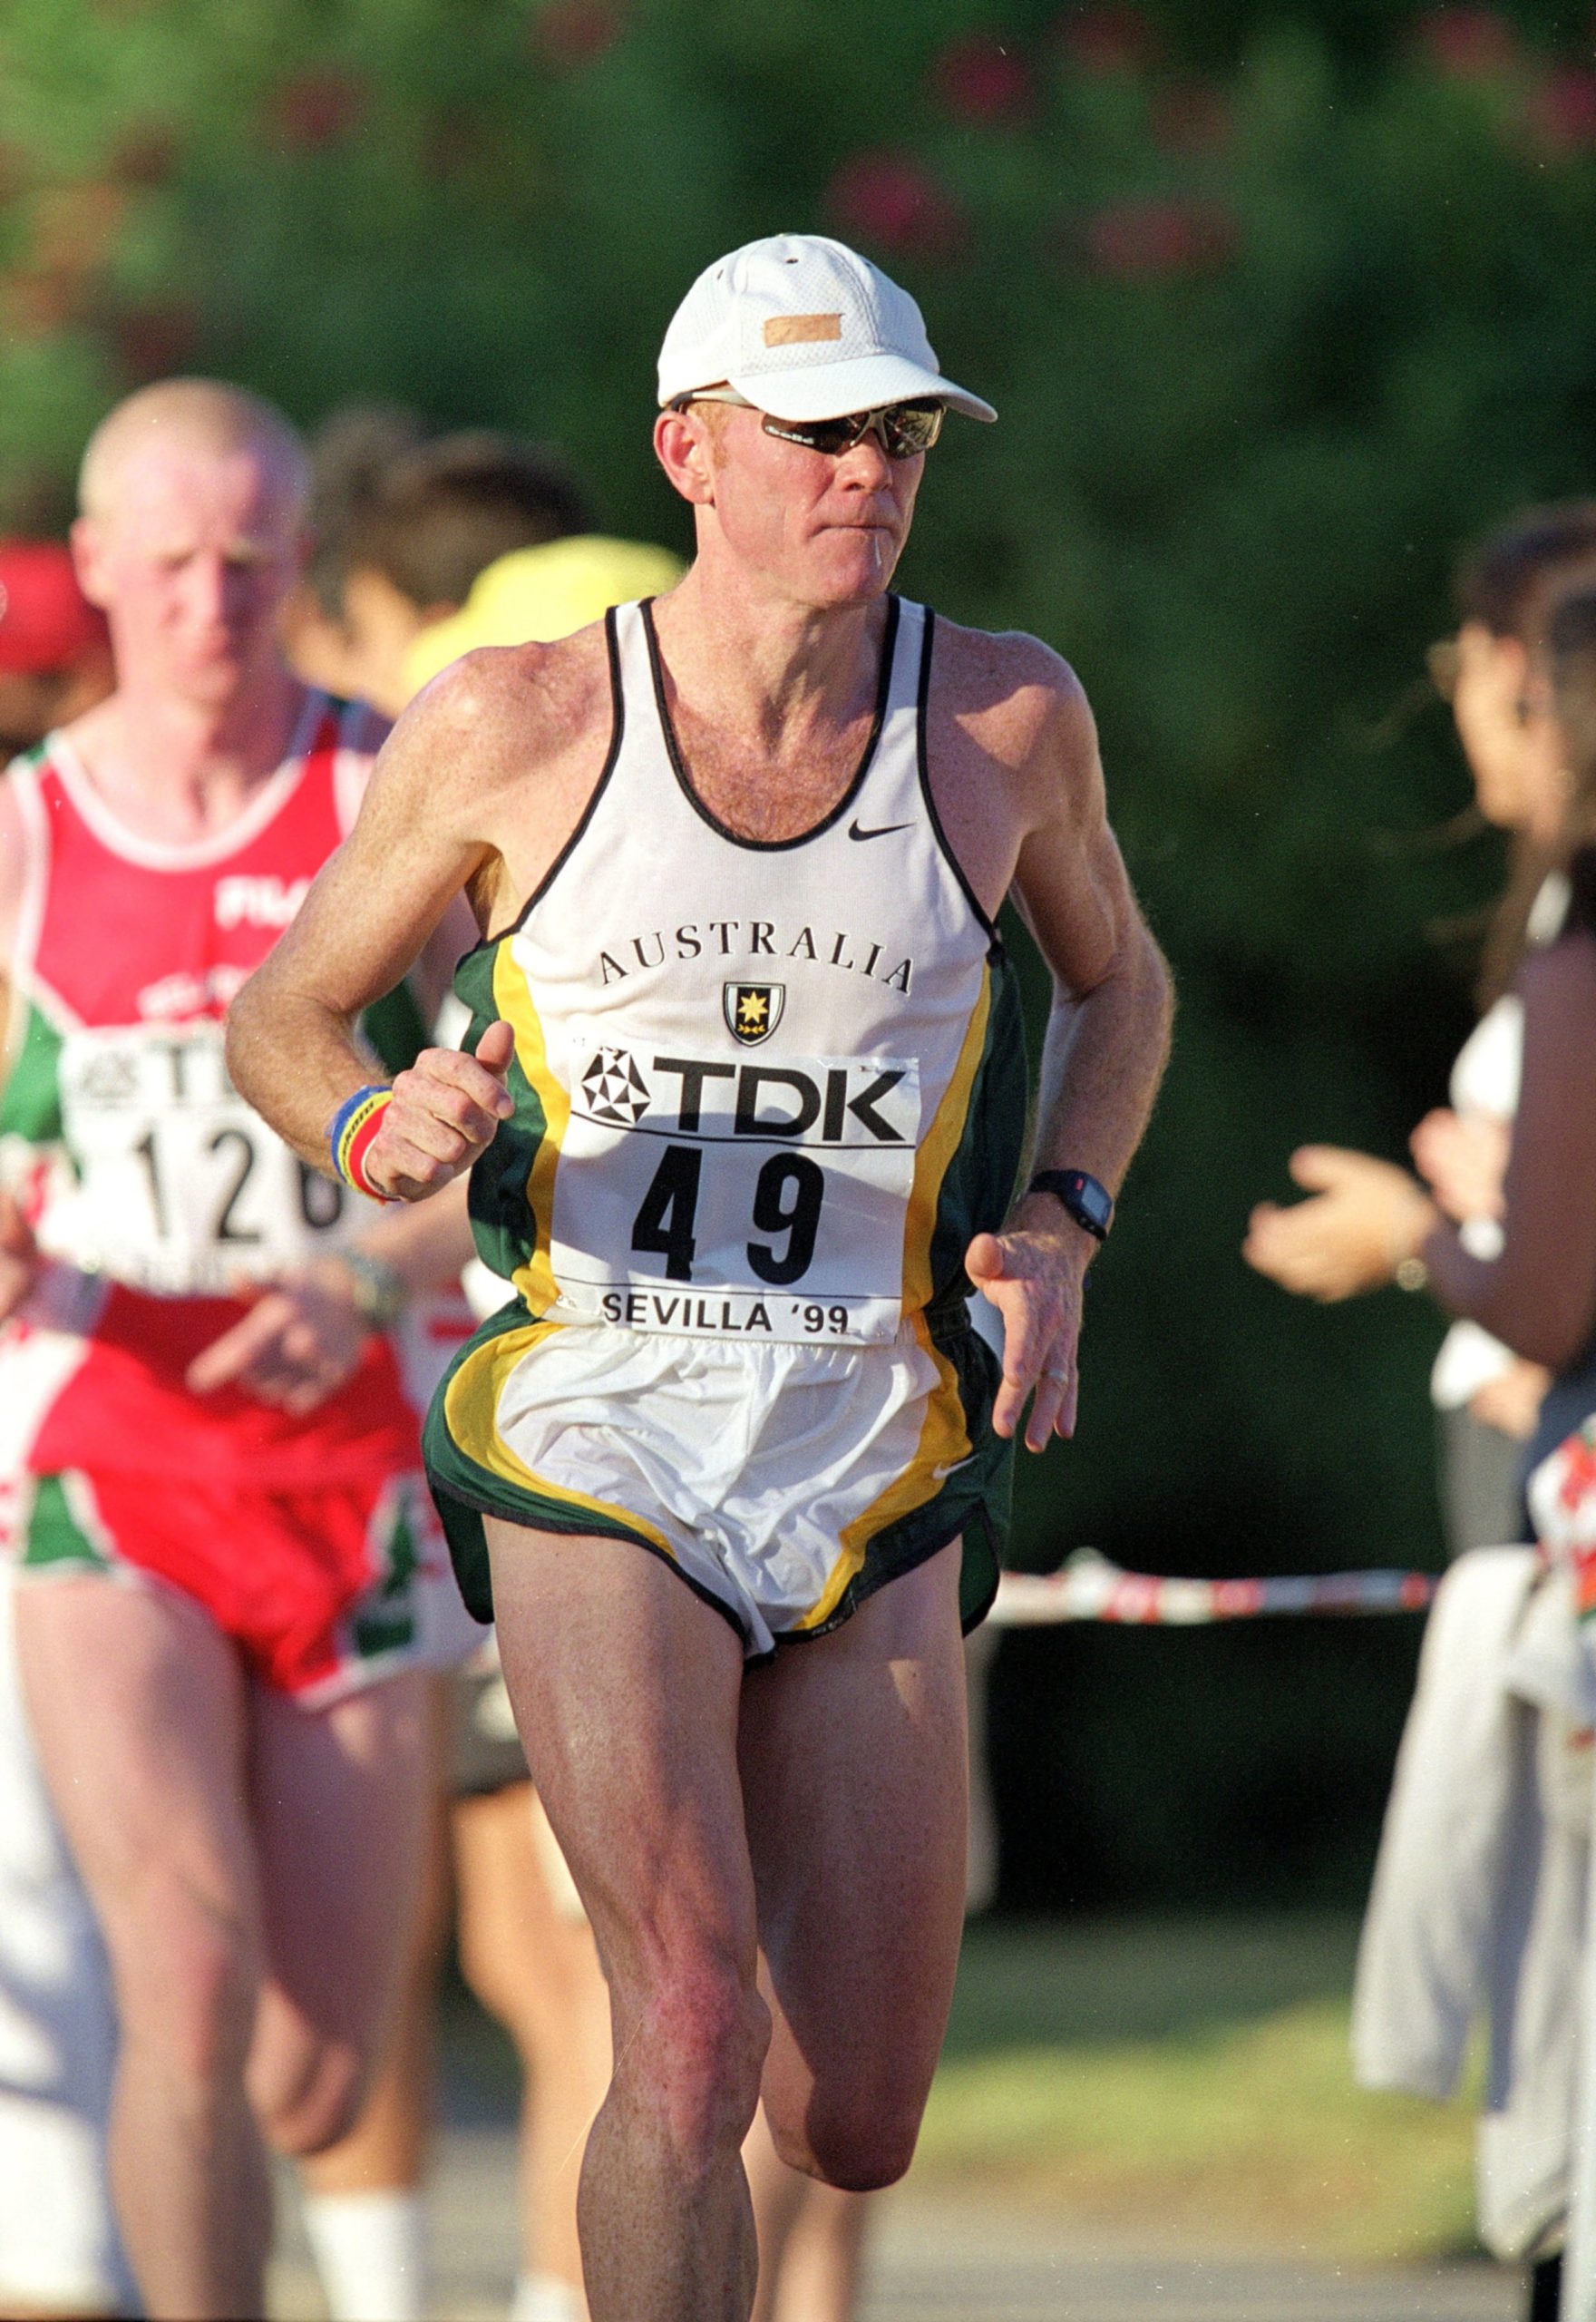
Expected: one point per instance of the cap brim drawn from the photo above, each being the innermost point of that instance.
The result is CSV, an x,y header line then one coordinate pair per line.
x,y
832,390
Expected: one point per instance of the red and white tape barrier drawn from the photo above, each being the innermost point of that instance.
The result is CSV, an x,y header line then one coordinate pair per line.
x,y
1090,1588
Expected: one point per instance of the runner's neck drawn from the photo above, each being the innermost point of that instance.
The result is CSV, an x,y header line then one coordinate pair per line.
x,y
178,772
771,675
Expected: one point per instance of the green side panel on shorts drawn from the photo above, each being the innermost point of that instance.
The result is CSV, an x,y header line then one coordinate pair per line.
x,y
464,1491
979,1185
974,1503
395,1027
30,1101
53,1538
384,1619
501,1221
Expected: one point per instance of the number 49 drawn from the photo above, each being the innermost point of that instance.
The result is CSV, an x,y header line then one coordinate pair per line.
x,y
787,1197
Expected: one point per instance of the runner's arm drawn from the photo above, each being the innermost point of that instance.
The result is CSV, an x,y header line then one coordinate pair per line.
x,y
1106,1045
416,843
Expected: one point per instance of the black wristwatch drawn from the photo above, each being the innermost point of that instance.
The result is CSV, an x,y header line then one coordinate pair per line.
x,y
1084,1197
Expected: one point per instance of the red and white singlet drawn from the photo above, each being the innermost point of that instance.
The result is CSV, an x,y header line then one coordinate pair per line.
x,y
139,1167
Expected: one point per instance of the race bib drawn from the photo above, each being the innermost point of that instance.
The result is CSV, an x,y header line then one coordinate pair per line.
x,y
720,1198
180,1187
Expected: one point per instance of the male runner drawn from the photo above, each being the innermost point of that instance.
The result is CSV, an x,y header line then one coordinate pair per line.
x,y
737,857
194,1400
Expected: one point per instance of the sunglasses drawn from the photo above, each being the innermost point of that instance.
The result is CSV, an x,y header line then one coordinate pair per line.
x,y
903,430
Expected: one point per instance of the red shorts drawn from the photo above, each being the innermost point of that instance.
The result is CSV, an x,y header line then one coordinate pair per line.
x,y
323,1591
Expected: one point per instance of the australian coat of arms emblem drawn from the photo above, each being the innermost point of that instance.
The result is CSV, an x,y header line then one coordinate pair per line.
x,y
753,1011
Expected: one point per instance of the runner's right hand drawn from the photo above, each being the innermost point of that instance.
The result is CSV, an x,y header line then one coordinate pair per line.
x,y
20,1262
446,1109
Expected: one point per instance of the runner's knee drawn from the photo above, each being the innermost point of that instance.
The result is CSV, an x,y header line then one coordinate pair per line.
x,y
698,2049
308,2104
856,2145
187,1989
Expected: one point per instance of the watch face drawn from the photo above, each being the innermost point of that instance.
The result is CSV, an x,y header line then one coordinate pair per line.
x,y
1096,1203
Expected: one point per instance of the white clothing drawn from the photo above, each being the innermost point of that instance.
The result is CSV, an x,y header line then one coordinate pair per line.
x,y
1479,1897
764,1466
1486,1080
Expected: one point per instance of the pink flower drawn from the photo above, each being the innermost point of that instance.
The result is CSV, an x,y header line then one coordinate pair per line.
x,y
317,108
1111,39
981,79
574,32
1153,240
888,199
1560,110
1471,43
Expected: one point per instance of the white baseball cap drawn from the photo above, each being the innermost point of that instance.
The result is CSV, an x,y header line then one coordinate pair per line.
x,y
805,328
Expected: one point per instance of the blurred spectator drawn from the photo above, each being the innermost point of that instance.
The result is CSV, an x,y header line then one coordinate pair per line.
x,y
1349,1236
189,1367
403,535
541,593
1481,1892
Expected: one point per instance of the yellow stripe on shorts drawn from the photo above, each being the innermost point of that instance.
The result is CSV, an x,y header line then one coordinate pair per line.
x,y
471,1411
944,1442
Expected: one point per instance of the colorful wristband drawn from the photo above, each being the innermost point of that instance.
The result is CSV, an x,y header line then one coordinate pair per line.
x,y
353,1125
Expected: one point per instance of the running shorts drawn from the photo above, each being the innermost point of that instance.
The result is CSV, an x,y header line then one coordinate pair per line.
x,y
323,1591
783,1483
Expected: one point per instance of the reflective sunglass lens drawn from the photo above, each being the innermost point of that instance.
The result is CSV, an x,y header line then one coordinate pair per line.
x,y
909,428
903,429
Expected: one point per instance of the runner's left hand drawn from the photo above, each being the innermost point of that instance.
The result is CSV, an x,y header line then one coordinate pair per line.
x,y
1033,1272
298,1343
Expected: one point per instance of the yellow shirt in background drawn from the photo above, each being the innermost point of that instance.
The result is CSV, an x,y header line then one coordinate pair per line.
x,y
543,593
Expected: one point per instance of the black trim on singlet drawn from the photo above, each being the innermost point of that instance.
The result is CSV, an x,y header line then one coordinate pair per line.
x,y
617,725
922,706
850,795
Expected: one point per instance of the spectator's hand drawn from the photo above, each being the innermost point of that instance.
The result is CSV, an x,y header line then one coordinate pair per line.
x,y
298,1344
1366,1218
1511,1400
446,1109
1033,1272
20,1261
1462,1158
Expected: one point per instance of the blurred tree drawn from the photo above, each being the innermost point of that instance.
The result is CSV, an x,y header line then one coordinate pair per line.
x,y
1279,300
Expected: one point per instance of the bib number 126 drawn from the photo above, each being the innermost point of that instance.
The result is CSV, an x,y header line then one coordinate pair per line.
x,y
788,1194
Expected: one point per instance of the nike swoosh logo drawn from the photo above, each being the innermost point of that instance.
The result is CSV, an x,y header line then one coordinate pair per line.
x,y
857,830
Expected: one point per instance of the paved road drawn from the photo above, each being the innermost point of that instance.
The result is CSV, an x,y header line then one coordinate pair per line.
x,y
941,2260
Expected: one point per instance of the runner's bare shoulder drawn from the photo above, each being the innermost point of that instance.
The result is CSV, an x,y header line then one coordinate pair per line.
x,y
1012,705
511,722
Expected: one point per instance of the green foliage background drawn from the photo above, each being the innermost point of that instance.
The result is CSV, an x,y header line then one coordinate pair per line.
x,y
1278,303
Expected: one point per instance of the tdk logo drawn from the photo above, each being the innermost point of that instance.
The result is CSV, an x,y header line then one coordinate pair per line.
x,y
864,1101
258,902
